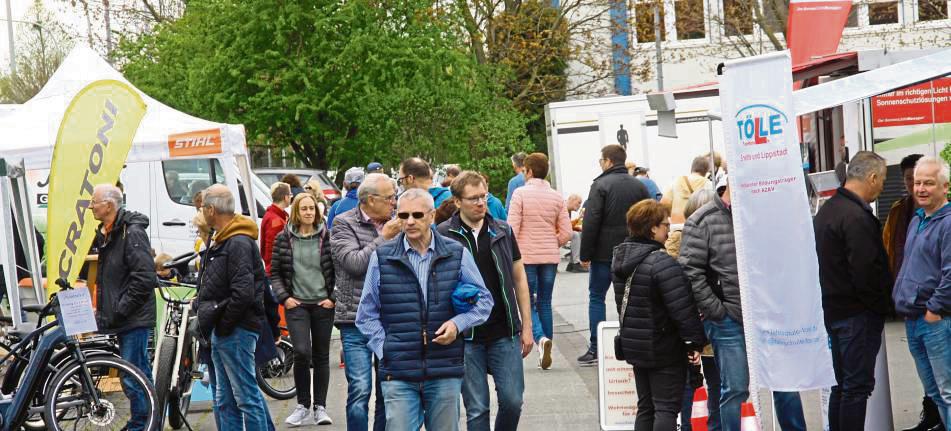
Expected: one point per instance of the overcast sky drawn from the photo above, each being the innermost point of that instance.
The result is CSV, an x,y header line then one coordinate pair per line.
x,y
71,18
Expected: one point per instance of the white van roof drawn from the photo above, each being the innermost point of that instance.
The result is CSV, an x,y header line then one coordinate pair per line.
x,y
30,129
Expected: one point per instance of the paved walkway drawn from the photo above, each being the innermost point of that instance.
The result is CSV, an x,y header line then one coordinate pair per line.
x,y
565,397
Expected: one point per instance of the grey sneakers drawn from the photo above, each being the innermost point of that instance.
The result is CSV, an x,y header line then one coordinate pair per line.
x,y
303,416
298,416
321,417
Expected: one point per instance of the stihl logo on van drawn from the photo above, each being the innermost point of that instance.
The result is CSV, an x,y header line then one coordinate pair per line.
x,y
194,143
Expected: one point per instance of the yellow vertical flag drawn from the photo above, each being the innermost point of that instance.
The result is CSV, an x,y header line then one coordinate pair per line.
x,y
92,144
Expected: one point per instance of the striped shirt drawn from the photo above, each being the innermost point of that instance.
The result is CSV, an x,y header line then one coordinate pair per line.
x,y
368,312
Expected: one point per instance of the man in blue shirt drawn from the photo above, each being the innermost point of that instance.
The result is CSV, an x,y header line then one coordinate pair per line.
x,y
351,181
922,293
406,312
518,180
641,173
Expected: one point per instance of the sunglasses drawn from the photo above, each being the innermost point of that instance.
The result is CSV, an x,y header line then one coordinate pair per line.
x,y
416,215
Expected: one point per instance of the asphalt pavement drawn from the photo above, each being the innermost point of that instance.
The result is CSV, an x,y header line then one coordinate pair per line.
x,y
566,396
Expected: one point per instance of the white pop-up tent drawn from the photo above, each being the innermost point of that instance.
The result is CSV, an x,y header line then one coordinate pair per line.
x,y
29,131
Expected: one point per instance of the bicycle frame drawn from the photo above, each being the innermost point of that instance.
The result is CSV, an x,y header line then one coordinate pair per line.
x,y
14,410
176,326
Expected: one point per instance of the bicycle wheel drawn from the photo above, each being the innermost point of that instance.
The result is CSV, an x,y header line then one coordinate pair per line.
x,y
163,372
276,378
35,422
69,404
179,398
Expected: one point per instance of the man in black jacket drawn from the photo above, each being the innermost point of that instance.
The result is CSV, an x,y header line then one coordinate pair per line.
x,y
230,307
498,345
605,226
856,287
125,296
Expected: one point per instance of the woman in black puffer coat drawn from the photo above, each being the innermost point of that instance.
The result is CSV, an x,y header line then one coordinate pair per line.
x,y
302,278
661,329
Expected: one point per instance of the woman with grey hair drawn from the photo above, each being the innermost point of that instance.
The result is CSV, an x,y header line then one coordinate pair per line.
x,y
698,199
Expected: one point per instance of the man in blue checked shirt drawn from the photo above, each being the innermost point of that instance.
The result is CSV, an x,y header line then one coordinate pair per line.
x,y
414,330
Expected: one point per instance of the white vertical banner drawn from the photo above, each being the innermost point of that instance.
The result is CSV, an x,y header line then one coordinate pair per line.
x,y
787,344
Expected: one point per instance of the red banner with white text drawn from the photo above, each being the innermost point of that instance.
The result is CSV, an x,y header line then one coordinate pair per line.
x,y
925,103
814,28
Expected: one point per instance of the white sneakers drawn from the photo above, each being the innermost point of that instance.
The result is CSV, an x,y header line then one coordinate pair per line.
x,y
544,353
298,416
303,416
321,417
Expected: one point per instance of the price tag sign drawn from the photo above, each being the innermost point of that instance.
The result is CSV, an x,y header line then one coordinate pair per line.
x,y
75,307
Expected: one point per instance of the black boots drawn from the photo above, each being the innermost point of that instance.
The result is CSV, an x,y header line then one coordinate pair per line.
x,y
930,419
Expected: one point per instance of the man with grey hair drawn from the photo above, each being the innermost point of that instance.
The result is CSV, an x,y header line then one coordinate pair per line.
x,y
922,292
126,287
573,204
230,312
356,235
856,286
421,290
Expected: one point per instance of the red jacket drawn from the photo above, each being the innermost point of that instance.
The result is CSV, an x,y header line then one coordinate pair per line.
x,y
272,224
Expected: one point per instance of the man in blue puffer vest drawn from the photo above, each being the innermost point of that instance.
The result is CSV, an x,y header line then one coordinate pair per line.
x,y
406,312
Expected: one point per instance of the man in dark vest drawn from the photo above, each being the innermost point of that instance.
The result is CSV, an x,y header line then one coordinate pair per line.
x,y
412,318
497,346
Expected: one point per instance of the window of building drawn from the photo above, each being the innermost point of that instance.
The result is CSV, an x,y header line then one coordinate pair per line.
x,y
644,21
883,13
853,20
689,19
774,14
931,10
737,17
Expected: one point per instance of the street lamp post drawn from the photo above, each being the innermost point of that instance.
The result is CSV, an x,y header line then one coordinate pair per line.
x,y
36,25
13,57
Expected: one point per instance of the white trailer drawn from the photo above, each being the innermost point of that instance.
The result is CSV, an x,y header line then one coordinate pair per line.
x,y
578,129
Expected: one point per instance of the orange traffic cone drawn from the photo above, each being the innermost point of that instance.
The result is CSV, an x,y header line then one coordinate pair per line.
x,y
748,421
699,412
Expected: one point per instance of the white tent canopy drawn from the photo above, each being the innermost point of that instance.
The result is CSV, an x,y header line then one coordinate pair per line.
x,y
29,132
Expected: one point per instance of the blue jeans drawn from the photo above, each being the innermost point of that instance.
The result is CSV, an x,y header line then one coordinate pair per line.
x,y
930,346
599,282
238,400
411,404
502,359
359,370
134,347
729,351
855,344
213,384
541,284
711,375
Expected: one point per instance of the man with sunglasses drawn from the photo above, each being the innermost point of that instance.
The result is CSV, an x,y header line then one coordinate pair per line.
x,y
356,235
408,312
501,342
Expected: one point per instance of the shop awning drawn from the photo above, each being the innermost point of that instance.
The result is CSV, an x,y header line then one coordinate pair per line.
x,y
872,83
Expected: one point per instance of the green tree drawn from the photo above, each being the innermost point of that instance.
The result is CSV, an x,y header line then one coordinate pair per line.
x,y
531,41
340,83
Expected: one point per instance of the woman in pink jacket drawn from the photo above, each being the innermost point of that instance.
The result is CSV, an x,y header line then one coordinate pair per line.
x,y
539,218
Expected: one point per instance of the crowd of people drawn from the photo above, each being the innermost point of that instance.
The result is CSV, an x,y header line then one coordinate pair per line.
x,y
436,287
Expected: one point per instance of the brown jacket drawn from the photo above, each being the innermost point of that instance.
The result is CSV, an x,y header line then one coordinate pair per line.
x,y
896,230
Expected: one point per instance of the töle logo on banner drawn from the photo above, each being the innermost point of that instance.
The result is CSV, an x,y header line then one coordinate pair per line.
x,y
760,124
